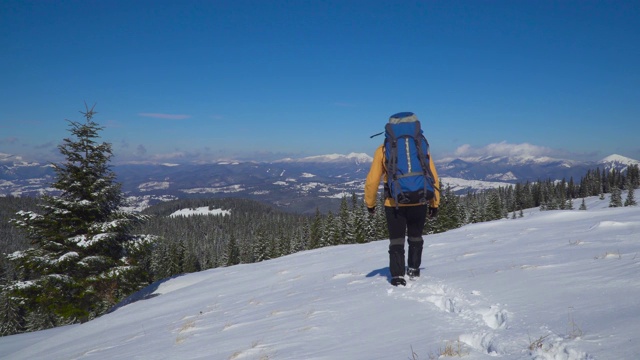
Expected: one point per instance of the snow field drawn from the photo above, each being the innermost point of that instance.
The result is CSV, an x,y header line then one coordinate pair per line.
x,y
559,285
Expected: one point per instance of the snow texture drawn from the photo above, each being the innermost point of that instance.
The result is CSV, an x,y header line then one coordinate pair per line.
x,y
550,285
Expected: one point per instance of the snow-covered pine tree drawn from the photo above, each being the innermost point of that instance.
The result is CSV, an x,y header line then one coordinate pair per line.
x,y
315,230
233,252
449,216
83,258
475,210
494,206
299,238
345,233
569,204
11,321
616,197
583,205
329,231
630,200
633,173
380,219
260,246
358,216
371,225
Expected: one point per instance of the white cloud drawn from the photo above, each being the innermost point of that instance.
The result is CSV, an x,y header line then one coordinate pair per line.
x,y
504,149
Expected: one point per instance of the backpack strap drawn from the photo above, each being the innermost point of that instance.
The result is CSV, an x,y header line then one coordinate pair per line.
x,y
424,159
392,162
423,156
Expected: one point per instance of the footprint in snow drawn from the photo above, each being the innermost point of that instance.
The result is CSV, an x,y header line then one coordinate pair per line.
x,y
495,317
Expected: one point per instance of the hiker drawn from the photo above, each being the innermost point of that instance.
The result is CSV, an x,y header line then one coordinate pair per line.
x,y
410,188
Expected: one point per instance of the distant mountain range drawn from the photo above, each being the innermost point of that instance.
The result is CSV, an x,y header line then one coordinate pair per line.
x,y
299,185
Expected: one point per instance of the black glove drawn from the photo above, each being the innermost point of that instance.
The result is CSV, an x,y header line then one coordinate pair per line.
x,y
372,210
433,212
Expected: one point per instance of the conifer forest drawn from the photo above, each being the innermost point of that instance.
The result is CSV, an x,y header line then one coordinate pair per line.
x,y
71,257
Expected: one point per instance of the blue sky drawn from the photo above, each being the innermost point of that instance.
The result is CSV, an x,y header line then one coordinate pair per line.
x,y
204,80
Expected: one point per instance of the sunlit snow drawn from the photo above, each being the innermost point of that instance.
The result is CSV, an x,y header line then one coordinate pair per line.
x,y
550,285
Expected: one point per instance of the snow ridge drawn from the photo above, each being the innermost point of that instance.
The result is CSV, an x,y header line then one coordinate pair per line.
x,y
619,159
358,158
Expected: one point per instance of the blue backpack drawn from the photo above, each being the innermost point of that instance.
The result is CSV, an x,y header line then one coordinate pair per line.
x,y
409,177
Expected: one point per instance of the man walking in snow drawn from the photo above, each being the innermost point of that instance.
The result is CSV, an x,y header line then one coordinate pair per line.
x,y
404,216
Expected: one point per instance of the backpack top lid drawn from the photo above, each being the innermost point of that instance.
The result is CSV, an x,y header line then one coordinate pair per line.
x,y
403,117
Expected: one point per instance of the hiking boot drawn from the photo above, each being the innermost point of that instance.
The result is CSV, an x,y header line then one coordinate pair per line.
x,y
413,273
398,280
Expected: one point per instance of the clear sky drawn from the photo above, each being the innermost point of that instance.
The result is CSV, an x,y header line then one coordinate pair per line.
x,y
204,80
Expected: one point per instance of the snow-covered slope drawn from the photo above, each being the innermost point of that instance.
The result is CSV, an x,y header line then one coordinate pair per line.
x,y
462,186
550,285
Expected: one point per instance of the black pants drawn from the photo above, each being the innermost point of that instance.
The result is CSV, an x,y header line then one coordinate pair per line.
x,y
405,221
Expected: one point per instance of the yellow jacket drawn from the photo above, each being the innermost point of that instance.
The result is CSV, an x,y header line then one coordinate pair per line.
x,y
378,172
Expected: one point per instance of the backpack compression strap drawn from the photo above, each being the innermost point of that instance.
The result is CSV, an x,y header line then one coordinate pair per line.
x,y
392,163
423,156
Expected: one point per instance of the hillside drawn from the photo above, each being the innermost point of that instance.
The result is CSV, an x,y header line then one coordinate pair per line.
x,y
550,285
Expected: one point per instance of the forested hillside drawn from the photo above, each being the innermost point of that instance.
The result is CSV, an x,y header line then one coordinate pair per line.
x,y
248,232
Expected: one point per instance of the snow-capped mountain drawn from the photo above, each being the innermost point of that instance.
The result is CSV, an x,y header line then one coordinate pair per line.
x,y
514,160
301,185
511,169
358,158
617,162
13,160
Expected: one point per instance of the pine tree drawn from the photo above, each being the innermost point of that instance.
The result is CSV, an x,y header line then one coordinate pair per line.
x,y
475,212
449,214
345,233
380,219
11,321
370,225
162,260
494,210
358,216
630,200
616,197
315,231
233,252
633,173
329,232
583,205
569,205
83,258
260,247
